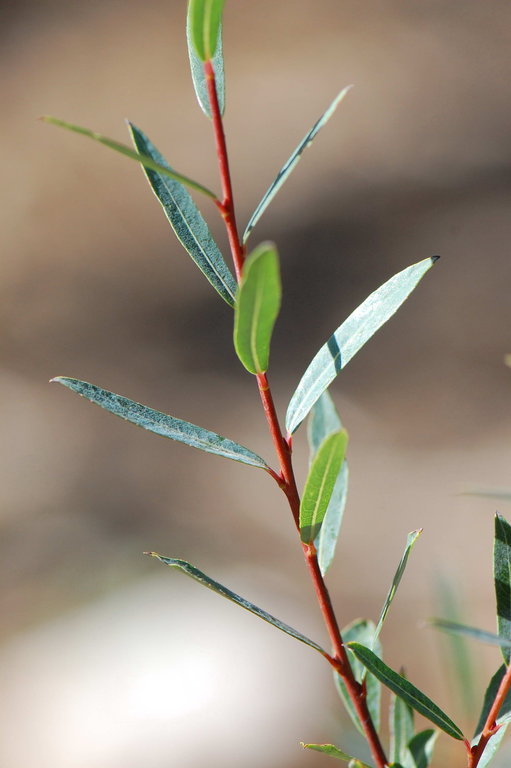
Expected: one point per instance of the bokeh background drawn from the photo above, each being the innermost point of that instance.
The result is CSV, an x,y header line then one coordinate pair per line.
x,y
107,658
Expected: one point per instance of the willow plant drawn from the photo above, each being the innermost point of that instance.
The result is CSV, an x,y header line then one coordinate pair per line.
x,y
254,296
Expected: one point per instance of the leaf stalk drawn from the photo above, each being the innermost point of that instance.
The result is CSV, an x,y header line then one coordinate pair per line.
x,y
490,727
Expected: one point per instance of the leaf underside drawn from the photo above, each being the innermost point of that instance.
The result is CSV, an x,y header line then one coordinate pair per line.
x,y
198,76
350,337
360,631
420,749
405,690
476,634
206,581
401,723
290,164
186,221
162,424
332,751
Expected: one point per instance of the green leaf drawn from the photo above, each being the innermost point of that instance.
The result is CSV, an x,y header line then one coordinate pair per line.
x,y
198,75
406,691
320,483
503,719
421,748
206,581
290,164
504,715
476,634
205,18
350,337
361,631
329,749
144,160
322,422
401,728
502,578
410,541
257,307
161,424
186,221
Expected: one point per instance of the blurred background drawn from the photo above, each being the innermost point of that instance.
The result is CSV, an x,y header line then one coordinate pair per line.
x,y
106,657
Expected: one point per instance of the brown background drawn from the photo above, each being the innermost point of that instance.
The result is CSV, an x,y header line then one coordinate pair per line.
x,y
107,659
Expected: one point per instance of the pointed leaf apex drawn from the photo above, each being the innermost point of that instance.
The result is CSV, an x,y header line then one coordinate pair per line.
x,y
434,259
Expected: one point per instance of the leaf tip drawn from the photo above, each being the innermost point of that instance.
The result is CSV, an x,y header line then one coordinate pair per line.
x,y
434,259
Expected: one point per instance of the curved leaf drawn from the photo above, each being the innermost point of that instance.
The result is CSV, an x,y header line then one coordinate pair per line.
x,y
322,422
290,164
350,337
406,691
205,18
320,483
198,76
360,631
257,307
330,749
206,581
502,578
421,748
186,221
161,424
144,160
410,541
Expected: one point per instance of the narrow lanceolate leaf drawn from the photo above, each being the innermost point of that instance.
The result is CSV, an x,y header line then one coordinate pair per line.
x,y
410,541
350,337
502,578
361,631
504,715
144,160
401,728
420,748
197,69
329,749
206,581
290,164
322,422
186,221
162,424
205,18
476,634
256,309
406,691
320,483
503,719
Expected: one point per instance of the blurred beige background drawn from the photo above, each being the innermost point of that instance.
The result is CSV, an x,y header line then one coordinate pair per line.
x,y
108,659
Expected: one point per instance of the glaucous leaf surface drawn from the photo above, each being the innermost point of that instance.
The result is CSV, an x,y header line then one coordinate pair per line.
x,y
420,749
350,337
206,581
502,578
405,690
204,19
401,727
290,164
329,749
144,160
198,76
476,634
361,631
162,424
320,482
256,308
492,747
186,221
410,541
324,420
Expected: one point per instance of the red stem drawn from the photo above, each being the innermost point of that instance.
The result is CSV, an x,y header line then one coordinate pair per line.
x,y
286,479
490,727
